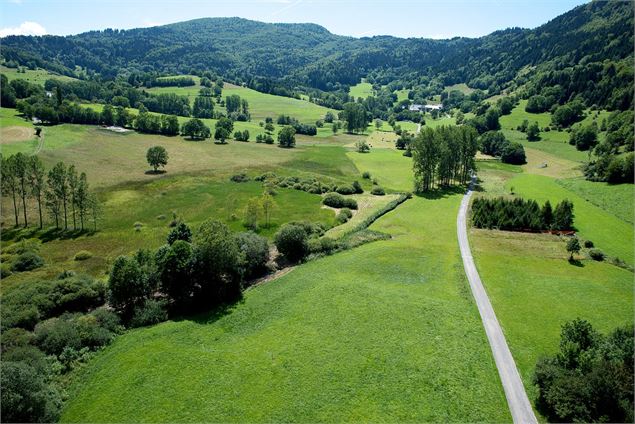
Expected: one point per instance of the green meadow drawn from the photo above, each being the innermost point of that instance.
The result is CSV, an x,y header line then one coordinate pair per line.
x,y
361,90
394,320
34,76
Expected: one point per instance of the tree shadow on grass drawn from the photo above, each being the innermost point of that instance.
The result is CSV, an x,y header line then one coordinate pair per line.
x,y
443,192
209,316
576,262
157,172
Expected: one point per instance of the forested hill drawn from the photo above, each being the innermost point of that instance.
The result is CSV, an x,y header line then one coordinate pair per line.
x,y
307,55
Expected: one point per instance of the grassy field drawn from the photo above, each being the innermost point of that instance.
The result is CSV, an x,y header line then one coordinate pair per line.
x,y
534,290
261,105
385,332
616,199
35,76
462,87
361,90
553,142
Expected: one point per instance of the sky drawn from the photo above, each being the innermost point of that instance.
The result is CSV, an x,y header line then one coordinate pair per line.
x,y
357,18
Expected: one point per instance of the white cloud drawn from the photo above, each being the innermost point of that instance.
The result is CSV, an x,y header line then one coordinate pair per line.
x,y
25,28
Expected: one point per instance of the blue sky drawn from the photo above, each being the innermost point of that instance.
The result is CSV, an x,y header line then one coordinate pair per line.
x,y
403,18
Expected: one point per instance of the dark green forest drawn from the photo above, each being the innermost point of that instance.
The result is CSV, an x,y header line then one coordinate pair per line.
x,y
586,51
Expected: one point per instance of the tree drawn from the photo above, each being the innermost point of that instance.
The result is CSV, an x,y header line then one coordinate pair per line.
x,y
514,153
10,183
573,246
362,147
127,286
232,103
563,216
292,241
195,129
584,138
491,119
224,128
26,394
82,196
174,268
218,263
378,123
355,116
268,206
169,125
533,132
590,378
547,215
107,115
36,182
73,182
58,185
203,107
180,232
157,157
255,250
20,169
95,209
286,137
252,213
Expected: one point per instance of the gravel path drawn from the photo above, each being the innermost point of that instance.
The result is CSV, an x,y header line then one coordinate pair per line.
x,y
517,400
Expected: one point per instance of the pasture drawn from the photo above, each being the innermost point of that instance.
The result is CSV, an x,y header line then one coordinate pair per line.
x,y
34,76
361,90
384,332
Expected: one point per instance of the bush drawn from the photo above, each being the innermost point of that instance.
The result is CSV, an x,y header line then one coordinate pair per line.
x,y
514,153
15,337
345,190
336,200
240,178
378,191
180,232
150,313
323,245
366,175
344,215
596,254
292,242
82,255
5,270
27,261
357,187
588,244
26,304
256,252
26,396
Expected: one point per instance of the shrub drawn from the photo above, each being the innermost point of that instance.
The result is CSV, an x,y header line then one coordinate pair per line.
x,y
23,246
344,215
357,187
378,191
366,175
256,252
588,244
26,396
514,153
336,200
596,254
5,270
128,285
240,178
150,313
345,190
15,337
27,261
292,242
82,255
180,232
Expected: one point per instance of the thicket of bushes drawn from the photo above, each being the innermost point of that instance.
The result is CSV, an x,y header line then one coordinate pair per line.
x,y
521,214
590,379
336,200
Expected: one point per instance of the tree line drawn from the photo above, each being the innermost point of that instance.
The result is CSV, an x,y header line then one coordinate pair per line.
x,y
62,192
443,156
521,215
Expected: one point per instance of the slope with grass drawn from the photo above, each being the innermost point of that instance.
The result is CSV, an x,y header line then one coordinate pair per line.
x,y
384,332
361,90
34,76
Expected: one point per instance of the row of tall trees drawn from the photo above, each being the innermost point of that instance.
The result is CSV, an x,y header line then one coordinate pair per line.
x,y
443,156
62,192
521,214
